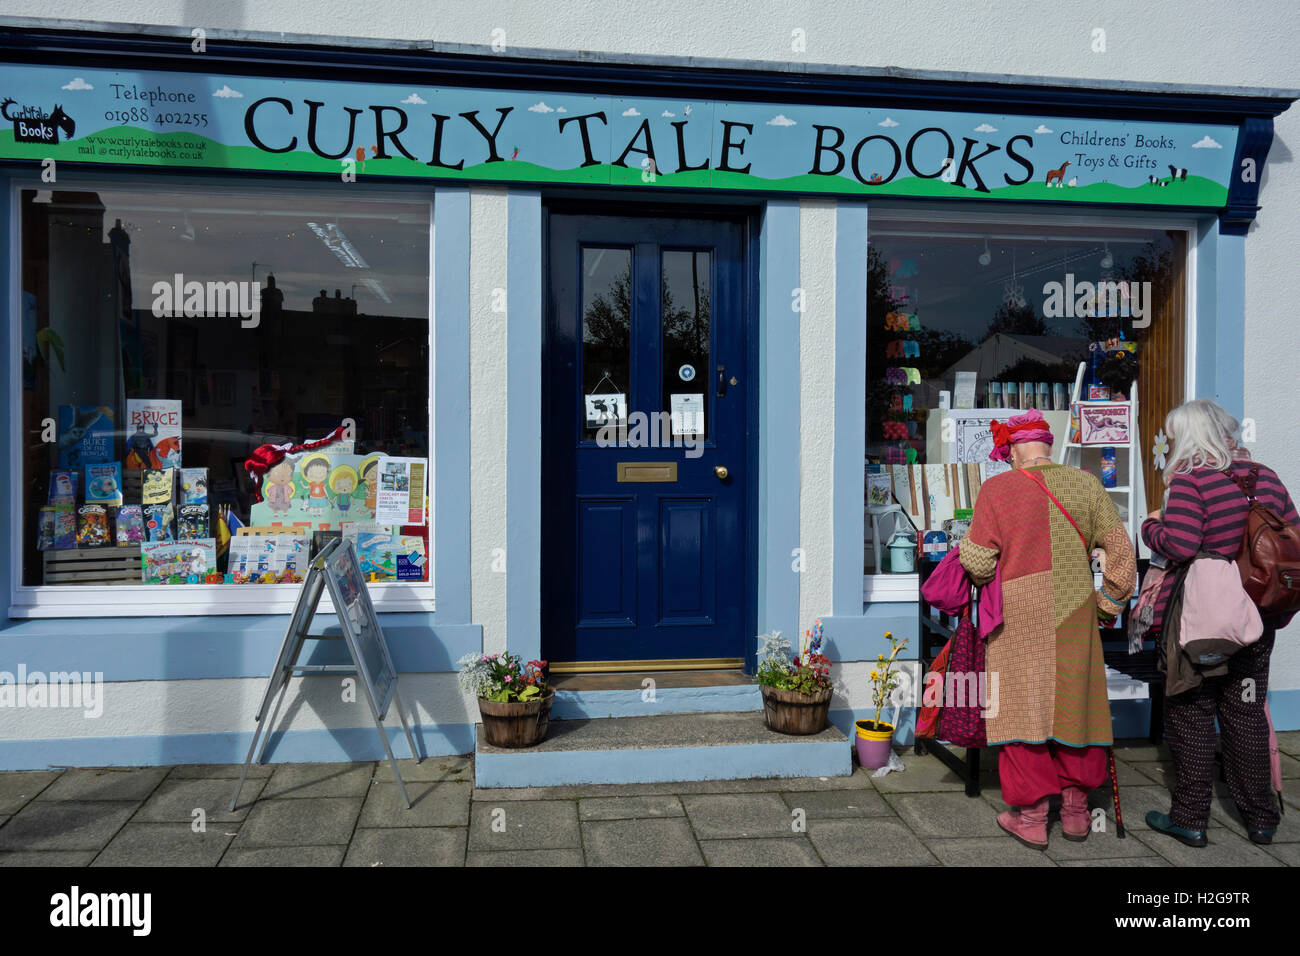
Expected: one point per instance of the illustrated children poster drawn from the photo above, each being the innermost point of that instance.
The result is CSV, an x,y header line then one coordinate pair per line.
x,y
153,433
321,490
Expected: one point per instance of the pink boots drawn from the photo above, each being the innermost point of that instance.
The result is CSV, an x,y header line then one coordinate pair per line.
x,y
1027,824
1076,821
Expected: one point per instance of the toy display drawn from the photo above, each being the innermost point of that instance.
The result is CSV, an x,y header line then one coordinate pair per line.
x,y
45,529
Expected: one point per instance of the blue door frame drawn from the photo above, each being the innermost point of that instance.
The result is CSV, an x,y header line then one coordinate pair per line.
x,y
660,570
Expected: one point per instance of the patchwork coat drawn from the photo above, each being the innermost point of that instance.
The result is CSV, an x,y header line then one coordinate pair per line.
x,y
1051,682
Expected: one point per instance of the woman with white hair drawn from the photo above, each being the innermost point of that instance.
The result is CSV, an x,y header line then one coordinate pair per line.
x,y
1205,511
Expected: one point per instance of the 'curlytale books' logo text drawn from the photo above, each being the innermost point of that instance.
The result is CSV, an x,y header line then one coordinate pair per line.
x,y
33,125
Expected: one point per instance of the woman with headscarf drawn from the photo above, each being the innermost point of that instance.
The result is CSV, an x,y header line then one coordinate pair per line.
x,y
1205,511
1038,524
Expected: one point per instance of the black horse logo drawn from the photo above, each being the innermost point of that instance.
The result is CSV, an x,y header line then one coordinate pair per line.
x,y
33,126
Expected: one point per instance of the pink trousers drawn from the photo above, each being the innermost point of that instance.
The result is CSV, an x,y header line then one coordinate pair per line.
x,y
1029,772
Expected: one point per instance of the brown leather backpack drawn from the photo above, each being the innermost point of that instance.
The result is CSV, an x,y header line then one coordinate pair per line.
x,y
1269,561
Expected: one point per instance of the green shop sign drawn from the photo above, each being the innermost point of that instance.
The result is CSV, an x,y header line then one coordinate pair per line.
x,y
476,135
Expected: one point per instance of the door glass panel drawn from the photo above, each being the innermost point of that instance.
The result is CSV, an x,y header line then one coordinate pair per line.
x,y
606,336
686,325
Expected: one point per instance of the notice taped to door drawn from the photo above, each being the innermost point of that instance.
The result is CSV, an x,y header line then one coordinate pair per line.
x,y
687,413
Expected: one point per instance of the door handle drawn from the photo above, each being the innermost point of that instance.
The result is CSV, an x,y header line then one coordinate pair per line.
x,y
721,472
722,381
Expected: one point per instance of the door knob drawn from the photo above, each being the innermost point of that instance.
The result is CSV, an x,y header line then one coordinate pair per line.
x,y
721,472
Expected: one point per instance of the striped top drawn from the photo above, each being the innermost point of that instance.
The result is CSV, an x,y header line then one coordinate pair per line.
x,y
1207,512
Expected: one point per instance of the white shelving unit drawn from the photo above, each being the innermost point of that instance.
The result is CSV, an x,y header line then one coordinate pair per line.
x,y
1133,492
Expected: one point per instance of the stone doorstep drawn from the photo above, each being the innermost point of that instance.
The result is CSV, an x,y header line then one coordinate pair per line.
x,y
702,746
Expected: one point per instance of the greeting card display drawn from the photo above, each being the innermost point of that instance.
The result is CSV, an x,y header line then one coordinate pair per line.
x,y
85,434
153,433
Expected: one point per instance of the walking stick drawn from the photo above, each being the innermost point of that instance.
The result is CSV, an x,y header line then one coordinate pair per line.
x,y
1114,789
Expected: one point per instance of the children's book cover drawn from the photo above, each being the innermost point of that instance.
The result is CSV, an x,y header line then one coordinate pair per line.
x,y
104,484
65,526
85,434
194,486
63,488
179,562
153,433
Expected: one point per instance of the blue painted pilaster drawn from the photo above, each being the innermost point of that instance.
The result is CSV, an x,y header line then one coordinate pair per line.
x,y
778,490
524,259
850,404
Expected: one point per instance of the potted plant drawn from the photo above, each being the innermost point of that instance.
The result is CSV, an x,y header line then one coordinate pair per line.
x,y
796,690
875,737
514,700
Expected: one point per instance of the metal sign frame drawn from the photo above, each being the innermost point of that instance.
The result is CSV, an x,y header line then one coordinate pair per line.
x,y
365,643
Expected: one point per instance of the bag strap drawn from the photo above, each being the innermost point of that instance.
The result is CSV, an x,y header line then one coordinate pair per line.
x,y
1043,485
1248,485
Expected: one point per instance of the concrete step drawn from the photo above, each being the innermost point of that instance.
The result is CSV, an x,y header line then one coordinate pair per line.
x,y
655,700
710,746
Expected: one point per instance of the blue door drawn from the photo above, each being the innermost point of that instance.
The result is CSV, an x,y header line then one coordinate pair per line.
x,y
643,477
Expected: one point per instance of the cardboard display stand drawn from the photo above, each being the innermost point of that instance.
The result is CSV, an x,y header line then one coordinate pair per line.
x,y
335,567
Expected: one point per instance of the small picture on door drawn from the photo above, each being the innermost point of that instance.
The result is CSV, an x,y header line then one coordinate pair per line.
x,y
607,409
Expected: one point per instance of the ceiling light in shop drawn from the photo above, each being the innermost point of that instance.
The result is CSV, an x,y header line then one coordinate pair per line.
x,y
986,257
337,243
1107,261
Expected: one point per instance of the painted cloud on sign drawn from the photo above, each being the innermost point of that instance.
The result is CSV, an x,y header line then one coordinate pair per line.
x,y
226,93
1042,130
415,100
1205,142
780,119
887,123
631,111
540,107
78,84
985,128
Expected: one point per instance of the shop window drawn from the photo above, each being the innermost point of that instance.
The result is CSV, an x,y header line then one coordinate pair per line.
x,y
987,315
167,333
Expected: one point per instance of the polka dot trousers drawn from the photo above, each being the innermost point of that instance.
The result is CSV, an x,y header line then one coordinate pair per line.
x,y
1237,699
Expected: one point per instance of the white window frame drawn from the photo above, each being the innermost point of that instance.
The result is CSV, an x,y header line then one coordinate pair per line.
x,y
905,588
45,601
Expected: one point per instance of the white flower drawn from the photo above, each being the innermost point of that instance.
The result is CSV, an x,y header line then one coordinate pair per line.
x,y
1160,449
773,645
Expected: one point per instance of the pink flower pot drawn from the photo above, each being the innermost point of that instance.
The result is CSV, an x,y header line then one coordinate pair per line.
x,y
873,745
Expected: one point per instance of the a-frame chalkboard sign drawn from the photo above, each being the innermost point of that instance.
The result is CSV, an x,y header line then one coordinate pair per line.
x,y
335,567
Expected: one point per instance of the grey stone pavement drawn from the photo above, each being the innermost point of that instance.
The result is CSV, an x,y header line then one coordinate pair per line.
x,y
350,815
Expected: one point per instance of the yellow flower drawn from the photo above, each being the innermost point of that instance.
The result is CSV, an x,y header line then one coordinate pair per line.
x,y
875,675
888,635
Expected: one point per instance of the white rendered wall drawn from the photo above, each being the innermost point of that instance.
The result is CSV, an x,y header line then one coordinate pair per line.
x,y
1168,41
488,413
816,408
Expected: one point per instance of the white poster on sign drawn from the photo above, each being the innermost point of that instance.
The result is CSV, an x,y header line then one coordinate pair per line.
x,y
687,413
399,498
972,439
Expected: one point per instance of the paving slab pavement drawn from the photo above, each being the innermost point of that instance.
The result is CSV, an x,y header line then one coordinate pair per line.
x,y
350,814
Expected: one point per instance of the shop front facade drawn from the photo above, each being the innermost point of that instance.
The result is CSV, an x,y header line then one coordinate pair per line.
x,y
648,336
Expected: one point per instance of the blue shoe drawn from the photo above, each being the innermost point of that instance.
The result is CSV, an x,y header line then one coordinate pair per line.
x,y
1263,837
1161,823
